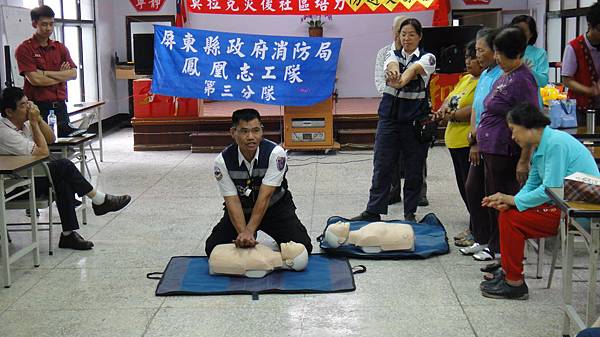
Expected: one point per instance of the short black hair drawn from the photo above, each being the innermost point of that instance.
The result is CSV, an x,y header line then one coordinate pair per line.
x,y
470,50
593,15
510,41
413,22
244,115
530,23
528,116
488,35
41,12
9,98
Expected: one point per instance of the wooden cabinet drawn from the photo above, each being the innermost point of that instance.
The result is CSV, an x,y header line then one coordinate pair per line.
x,y
309,127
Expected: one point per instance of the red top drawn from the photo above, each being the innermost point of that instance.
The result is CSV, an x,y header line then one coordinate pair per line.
x,y
32,57
586,73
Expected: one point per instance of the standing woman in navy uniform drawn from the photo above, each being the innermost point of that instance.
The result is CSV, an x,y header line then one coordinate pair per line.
x,y
403,109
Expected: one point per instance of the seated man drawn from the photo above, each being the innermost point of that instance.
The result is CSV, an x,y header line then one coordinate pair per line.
x,y
24,132
373,238
257,261
251,177
529,214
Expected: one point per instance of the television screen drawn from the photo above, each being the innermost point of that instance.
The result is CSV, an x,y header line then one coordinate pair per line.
x,y
143,53
449,50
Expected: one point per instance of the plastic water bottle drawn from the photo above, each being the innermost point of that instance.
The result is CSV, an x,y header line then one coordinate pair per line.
x,y
52,122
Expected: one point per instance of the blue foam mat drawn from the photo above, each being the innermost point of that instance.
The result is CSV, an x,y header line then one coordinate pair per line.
x,y
188,275
430,240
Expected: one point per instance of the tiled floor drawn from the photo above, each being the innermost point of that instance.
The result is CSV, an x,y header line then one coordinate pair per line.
x,y
104,292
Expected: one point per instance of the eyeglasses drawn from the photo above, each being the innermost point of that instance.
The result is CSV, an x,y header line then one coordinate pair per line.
x,y
245,131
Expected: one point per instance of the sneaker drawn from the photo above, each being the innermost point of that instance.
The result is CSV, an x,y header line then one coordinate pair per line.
x,y
465,233
410,217
472,249
112,203
367,216
423,201
466,242
503,290
74,241
486,255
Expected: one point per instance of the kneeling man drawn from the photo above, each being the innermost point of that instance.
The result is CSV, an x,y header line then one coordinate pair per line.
x,y
251,177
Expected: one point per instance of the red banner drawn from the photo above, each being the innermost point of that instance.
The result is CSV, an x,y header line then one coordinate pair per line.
x,y
308,7
147,5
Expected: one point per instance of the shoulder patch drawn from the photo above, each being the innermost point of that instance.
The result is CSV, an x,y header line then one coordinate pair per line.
x,y
218,173
431,59
280,163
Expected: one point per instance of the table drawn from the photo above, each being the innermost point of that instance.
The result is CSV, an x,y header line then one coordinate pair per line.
x,y
10,165
568,229
63,143
583,134
77,108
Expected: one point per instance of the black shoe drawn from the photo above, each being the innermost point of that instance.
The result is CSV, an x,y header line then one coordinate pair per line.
x,y
76,203
423,201
503,290
410,217
74,241
367,216
112,203
394,199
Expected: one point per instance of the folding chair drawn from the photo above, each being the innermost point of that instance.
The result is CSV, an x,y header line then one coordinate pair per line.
x,y
43,201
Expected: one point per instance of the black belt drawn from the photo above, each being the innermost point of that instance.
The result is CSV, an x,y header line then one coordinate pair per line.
x,y
52,104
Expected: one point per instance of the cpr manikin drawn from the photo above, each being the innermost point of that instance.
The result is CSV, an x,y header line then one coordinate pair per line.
x,y
372,238
257,261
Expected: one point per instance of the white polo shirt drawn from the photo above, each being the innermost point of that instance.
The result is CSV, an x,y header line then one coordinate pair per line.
x,y
273,176
14,141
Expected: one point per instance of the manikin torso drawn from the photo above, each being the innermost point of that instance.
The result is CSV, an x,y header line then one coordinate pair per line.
x,y
372,238
257,261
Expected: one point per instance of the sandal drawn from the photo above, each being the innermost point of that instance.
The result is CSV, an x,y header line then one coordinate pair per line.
x,y
493,275
466,242
486,255
462,235
488,268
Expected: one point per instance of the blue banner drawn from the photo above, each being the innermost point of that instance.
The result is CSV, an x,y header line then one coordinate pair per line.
x,y
276,70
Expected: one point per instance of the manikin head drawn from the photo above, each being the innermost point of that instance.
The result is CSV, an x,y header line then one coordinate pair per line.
x,y
294,256
42,19
337,234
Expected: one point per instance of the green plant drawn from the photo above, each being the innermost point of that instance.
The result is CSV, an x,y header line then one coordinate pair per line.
x,y
316,20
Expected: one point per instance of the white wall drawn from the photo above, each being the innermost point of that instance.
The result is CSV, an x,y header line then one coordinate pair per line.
x,y
105,35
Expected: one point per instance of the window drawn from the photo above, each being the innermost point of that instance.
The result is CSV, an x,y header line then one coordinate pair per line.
x,y
75,26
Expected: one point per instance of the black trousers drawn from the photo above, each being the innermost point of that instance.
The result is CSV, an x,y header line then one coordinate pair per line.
x,y
67,181
500,176
62,115
460,160
394,139
280,222
398,175
480,221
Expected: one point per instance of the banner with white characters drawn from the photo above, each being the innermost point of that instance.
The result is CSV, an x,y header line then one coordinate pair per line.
x,y
276,70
